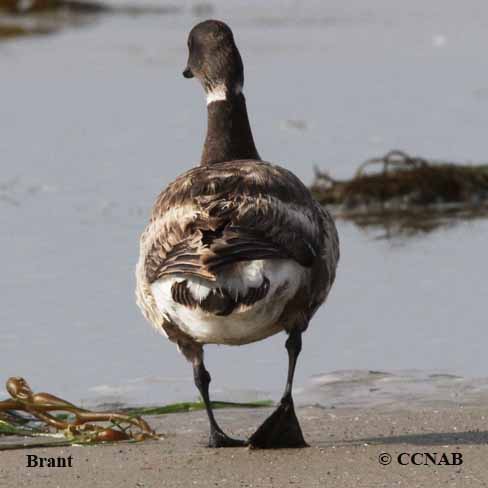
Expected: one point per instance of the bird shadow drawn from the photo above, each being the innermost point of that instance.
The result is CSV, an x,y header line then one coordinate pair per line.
x,y
428,439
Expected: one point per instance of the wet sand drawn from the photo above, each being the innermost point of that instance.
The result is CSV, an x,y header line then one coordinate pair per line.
x,y
112,121
345,448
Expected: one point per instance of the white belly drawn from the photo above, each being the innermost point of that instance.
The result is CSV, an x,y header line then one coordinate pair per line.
x,y
246,323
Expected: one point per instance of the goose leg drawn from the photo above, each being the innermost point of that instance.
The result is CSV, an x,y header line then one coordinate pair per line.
x,y
281,428
217,437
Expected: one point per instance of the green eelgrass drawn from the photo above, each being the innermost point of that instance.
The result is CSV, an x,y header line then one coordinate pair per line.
x,y
10,428
19,428
183,407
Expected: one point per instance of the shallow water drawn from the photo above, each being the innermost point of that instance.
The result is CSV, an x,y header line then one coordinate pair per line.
x,y
95,121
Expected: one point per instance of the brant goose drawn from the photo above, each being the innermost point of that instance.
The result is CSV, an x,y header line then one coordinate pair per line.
x,y
236,249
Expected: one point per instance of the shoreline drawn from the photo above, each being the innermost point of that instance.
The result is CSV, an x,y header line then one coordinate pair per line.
x,y
346,444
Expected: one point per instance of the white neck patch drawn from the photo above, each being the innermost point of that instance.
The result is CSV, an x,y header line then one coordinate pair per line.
x,y
219,93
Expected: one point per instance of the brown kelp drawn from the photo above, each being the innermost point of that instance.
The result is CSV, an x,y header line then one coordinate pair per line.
x,y
14,30
408,191
21,18
78,424
81,7
44,416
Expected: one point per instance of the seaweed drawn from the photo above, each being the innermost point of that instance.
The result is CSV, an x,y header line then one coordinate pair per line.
x,y
39,17
184,407
407,193
50,416
10,31
20,7
77,424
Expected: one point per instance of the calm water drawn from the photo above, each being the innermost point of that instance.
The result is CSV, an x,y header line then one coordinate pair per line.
x,y
95,121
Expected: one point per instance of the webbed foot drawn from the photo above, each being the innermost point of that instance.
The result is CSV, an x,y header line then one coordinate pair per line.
x,y
218,438
280,430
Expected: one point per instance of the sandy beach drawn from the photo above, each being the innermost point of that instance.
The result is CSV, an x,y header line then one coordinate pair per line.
x,y
346,445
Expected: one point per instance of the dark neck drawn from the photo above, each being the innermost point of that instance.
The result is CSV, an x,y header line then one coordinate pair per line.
x,y
229,135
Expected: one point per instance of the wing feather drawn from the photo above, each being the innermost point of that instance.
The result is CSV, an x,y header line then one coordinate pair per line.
x,y
215,216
